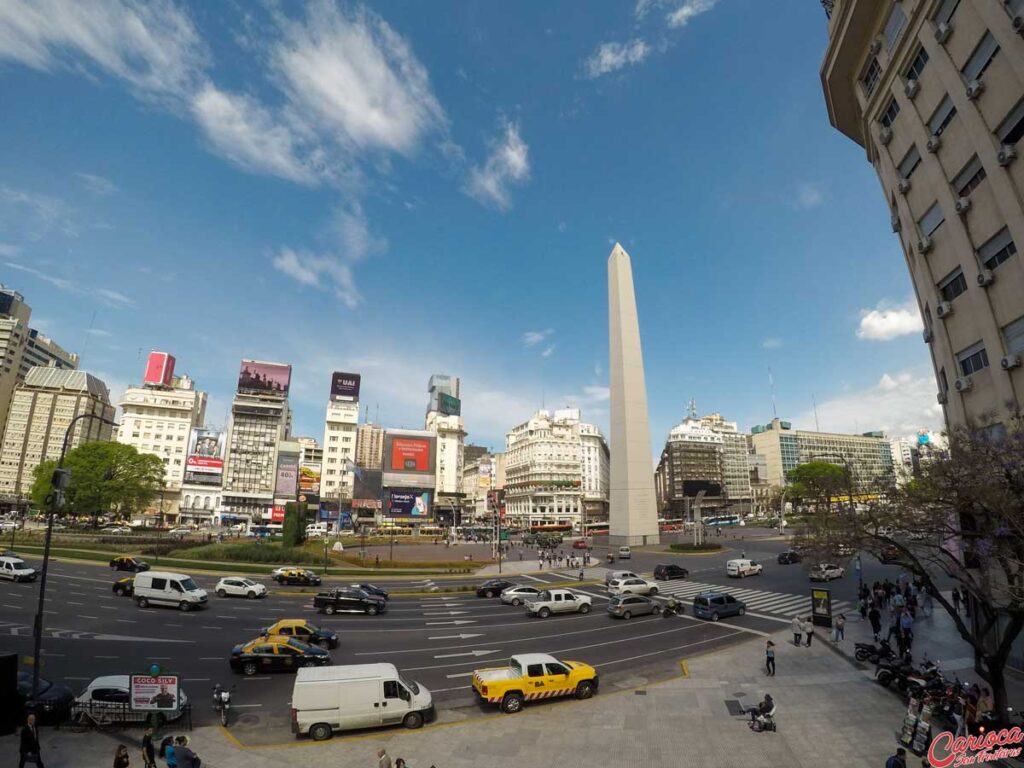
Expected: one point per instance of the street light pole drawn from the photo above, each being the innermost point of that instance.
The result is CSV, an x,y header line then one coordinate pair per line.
x,y
58,484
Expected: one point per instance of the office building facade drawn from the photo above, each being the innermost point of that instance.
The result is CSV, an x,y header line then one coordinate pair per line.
x,y
340,449
691,463
369,446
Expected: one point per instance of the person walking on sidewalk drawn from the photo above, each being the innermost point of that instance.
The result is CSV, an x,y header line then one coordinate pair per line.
x,y
148,753
840,628
121,759
29,747
808,630
956,600
769,659
383,761
798,630
907,628
875,617
899,760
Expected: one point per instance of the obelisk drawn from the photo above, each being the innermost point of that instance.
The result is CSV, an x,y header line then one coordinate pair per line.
x,y
633,511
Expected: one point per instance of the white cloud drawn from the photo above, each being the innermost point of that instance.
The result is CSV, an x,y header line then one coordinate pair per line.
x,y
808,195
99,332
690,9
6,249
508,164
772,342
113,298
33,216
532,338
596,393
887,322
56,282
548,351
899,404
610,57
98,185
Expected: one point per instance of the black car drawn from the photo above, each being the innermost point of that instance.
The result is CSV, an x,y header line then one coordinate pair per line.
x,y
267,655
788,557
128,563
349,600
493,587
370,589
50,705
124,587
302,578
667,571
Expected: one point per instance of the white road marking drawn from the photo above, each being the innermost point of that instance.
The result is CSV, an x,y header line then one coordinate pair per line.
x,y
458,674
195,679
468,653
456,622
245,706
174,625
459,688
127,621
72,602
451,637
80,616
106,657
16,607
446,613
210,658
211,627
667,650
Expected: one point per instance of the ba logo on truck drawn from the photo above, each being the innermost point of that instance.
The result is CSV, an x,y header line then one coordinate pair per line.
x,y
949,751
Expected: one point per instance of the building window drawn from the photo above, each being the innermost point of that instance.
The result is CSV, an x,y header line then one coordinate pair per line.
x,y
953,285
969,178
972,359
909,163
917,65
893,26
931,220
872,73
889,116
1011,129
942,116
1013,337
946,11
998,249
979,61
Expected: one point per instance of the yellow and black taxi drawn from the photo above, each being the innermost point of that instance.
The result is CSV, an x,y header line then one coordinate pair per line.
x,y
276,654
124,587
298,576
129,563
302,630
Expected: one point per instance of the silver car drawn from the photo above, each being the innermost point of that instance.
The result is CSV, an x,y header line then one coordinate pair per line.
x,y
518,595
628,606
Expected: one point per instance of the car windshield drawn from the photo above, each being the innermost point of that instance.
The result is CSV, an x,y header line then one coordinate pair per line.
x,y
188,585
300,646
411,685
15,563
248,582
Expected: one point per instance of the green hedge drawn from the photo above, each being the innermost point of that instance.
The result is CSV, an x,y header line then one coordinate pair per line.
x,y
252,552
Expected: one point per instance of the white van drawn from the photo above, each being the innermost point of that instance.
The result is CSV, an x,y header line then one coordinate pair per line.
x,y
743,568
340,698
165,588
316,530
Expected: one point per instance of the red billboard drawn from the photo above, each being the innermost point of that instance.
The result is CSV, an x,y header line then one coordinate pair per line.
x,y
270,378
159,369
410,454
277,514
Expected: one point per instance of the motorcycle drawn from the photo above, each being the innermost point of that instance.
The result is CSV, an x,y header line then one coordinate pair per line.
x,y
610,558
887,670
873,652
222,702
672,608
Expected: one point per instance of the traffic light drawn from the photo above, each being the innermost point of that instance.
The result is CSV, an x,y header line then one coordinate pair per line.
x,y
61,479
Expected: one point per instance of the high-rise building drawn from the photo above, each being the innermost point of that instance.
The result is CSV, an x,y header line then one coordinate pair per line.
x,y
341,441
479,476
760,488
735,468
909,453
369,446
312,453
869,455
691,462
158,417
545,474
260,419
444,419
44,352
42,408
933,92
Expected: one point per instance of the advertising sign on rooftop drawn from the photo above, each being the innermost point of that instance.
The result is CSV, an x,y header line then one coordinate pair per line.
x,y
264,378
159,369
448,405
204,462
345,386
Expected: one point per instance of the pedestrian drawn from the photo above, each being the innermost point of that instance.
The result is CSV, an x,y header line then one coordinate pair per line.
x,y
899,760
581,574
376,561
926,601
798,630
121,757
956,600
907,628
769,659
399,763
383,761
540,563
166,751
183,754
808,630
875,617
840,628
863,607
29,748
148,753
966,600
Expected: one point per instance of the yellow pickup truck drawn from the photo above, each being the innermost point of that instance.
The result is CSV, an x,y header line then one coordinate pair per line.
x,y
531,676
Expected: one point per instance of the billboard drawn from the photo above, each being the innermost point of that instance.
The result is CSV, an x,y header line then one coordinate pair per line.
x,y
409,454
448,405
204,462
159,369
286,485
277,514
409,459
345,385
366,489
149,693
270,378
309,479
408,504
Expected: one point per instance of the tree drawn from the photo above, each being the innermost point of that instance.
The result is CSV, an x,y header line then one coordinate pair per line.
x,y
960,520
104,476
293,532
817,482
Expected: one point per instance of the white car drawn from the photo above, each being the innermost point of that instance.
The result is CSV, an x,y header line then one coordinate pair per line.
x,y
518,595
558,601
236,586
179,532
743,568
9,525
116,530
105,700
827,572
633,586
278,572
15,569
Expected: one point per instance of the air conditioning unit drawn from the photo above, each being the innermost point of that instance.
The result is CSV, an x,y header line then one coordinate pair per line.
x,y
975,89
933,144
942,32
903,186
885,135
1010,361
964,384
986,277
1018,24
895,223
926,334
942,397
911,88
924,245
963,205
1007,154
944,309
876,46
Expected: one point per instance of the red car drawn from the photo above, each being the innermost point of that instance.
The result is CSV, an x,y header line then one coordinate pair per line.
x,y
579,544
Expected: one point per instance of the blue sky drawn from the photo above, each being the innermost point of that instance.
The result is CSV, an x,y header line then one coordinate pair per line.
x,y
418,188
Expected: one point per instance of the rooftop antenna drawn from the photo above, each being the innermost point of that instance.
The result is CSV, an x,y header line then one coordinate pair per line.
x,y
771,384
88,333
376,415
814,402
691,409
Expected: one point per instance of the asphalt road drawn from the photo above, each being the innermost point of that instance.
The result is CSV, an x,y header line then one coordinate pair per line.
x,y
437,640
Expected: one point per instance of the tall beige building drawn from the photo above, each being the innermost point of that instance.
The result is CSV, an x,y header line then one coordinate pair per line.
x,y
341,438
932,89
370,446
42,408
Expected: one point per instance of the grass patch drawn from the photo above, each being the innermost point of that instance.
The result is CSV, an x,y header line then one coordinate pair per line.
x,y
450,565
252,552
695,548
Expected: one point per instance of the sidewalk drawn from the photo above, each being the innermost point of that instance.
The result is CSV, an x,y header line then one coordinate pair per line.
x,y
829,715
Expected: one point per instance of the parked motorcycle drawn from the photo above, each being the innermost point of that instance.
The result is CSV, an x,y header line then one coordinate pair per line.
x,y
873,652
888,670
222,702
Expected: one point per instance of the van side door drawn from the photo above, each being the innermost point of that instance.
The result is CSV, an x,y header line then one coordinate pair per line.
x,y
396,702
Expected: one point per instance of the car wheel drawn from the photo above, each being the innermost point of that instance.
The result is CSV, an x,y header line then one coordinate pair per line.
x,y
654,590
329,610
413,720
656,610
741,611
585,690
512,703
143,602
183,606
250,668
516,602
325,644
585,608
714,616
488,593
544,613
221,593
251,595
118,591
627,615
371,611
320,732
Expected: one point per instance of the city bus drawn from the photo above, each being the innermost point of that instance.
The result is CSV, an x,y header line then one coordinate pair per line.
x,y
551,528
722,520
266,530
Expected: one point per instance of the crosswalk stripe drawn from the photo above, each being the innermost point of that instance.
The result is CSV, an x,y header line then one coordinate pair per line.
x,y
765,601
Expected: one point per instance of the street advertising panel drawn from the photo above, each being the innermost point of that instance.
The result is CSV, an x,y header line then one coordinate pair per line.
x,y
409,454
409,458
159,369
148,693
309,479
264,378
448,405
409,504
277,513
345,386
821,607
204,462
286,484
366,488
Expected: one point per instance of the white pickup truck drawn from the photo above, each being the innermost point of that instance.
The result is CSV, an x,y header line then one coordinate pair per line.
x,y
558,601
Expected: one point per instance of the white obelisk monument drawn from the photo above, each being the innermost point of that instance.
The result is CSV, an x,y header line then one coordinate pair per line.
x,y
633,511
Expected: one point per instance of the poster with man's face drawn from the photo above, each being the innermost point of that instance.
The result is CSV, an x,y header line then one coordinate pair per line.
x,y
148,693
